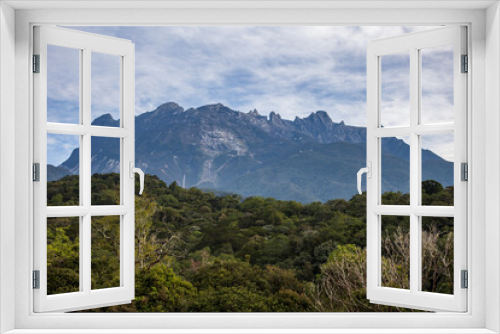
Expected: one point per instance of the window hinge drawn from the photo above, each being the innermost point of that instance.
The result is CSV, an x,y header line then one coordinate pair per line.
x,y
465,279
36,279
464,170
36,63
465,64
36,172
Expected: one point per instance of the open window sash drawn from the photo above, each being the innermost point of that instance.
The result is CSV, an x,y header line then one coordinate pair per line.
x,y
85,297
415,297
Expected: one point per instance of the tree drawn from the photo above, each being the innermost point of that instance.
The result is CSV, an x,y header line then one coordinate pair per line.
x,y
157,290
196,251
342,281
431,187
63,261
160,290
154,241
105,255
396,259
342,286
233,286
437,261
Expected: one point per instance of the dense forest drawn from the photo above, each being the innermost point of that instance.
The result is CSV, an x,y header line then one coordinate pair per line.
x,y
197,251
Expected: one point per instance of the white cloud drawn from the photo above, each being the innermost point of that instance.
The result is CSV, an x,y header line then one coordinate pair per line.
x,y
296,69
290,70
105,76
441,144
59,147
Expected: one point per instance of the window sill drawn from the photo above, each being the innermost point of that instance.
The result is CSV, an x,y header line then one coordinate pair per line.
x,y
251,331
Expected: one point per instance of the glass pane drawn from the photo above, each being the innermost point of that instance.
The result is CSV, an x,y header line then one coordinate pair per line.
x,y
105,252
105,171
437,169
106,98
63,255
63,85
63,169
395,169
437,254
395,245
395,90
437,85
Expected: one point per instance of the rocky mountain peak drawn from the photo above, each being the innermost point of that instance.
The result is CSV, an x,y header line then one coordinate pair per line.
x,y
215,108
319,116
253,113
169,107
106,120
275,118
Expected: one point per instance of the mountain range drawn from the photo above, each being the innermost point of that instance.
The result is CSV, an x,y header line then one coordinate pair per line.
x,y
214,147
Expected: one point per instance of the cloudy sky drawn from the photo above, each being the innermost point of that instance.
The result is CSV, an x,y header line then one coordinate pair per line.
x,y
290,70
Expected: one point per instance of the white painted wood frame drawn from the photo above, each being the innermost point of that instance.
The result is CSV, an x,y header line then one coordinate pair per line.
x,y
415,297
482,18
86,43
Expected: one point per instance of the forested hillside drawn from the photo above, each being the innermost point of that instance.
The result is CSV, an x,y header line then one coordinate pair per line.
x,y
201,252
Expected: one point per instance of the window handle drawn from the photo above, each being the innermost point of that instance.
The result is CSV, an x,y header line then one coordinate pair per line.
x,y
368,171
139,171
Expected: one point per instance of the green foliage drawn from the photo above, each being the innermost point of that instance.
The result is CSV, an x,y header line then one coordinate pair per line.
x,y
233,286
431,187
105,259
229,299
160,290
341,287
105,189
62,256
201,252
65,191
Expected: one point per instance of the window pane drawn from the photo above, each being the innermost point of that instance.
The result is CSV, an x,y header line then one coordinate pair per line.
x,y
437,85
105,252
437,169
63,255
63,85
437,254
106,97
395,169
63,169
105,171
395,245
395,90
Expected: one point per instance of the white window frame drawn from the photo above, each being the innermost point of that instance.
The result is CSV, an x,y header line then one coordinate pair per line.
x,y
86,44
413,43
484,212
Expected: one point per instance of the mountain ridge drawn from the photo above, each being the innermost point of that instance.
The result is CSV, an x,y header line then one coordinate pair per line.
x,y
215,147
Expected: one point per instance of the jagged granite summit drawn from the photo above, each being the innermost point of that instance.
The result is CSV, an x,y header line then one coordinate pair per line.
x,y
214,147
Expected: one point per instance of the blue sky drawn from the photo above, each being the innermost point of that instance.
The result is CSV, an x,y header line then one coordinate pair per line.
x,y
290,70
